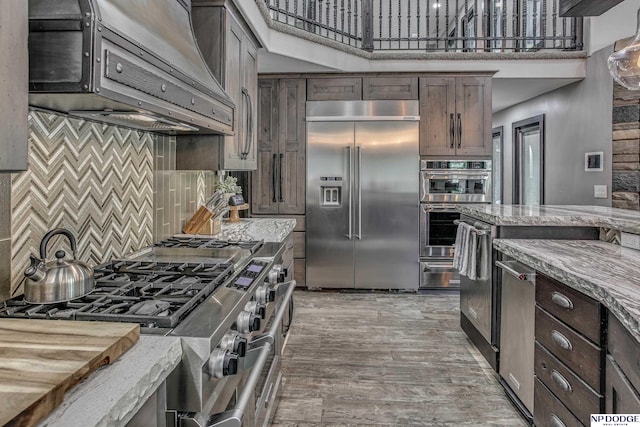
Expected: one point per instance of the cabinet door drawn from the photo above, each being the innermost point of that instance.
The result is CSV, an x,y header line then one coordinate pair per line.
x,y
250,94
232,82
437,116
292,163
263,180
390,87
473,116
335,89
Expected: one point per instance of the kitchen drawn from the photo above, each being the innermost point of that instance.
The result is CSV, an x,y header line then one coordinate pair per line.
x,y
158,207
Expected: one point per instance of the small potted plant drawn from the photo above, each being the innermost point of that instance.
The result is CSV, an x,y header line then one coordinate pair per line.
x,y
229,186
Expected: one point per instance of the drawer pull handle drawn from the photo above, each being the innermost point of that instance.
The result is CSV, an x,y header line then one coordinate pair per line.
x,y
561,340
561,381
556,422
562,300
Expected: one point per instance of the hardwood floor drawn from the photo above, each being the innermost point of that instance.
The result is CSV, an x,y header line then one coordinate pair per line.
x,y
386,359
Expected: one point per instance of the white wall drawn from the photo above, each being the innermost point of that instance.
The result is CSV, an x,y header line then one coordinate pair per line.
x,y
578,120
617,23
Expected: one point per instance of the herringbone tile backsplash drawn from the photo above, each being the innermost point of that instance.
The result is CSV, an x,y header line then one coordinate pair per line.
x,y
93,179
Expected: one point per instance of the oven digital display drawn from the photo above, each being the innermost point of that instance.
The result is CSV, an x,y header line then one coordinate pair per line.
x,y
255,268
243,282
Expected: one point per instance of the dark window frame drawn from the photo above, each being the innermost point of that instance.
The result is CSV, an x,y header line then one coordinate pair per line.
x,y
518,129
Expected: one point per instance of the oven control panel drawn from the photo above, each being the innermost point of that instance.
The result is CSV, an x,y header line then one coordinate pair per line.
x,y
248,275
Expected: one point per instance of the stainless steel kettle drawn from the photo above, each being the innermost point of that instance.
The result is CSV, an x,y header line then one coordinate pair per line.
x,y
59,280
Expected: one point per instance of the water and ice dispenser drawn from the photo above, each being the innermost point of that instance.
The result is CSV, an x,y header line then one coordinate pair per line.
x,y
330,191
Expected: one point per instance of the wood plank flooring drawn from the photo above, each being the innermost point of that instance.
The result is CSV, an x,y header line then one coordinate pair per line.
x,y
386,359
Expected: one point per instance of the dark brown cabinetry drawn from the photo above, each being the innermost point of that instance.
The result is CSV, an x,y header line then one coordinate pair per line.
x,y
568,356
278,184
14,70
334,89
390,88
455,116
622,370
230,51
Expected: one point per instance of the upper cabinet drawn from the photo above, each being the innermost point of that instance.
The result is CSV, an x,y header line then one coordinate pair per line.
x,y
14,70
390,88
334,89
230,50
279,183
455,116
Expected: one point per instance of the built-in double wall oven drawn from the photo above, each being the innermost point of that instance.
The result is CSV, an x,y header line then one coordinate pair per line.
x,y
443,185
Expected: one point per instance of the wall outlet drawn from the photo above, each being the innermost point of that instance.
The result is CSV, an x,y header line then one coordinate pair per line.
x,y
629,240
600,191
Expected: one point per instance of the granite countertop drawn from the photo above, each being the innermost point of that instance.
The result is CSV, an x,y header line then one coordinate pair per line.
x,y
267,229
555,215
606,272
113,394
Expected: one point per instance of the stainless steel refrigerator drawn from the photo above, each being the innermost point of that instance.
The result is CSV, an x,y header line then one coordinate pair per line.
x,y
362,194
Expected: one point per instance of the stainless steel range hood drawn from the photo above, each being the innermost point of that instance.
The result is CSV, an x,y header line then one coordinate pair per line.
x,y
131,63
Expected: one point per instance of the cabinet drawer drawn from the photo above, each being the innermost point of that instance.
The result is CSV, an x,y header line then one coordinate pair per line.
x,y
338,89
578,353
625,350
572,307
581,400
621,398
390,88
549,411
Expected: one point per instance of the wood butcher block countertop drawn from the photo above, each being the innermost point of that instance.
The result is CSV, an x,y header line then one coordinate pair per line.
x,y
41,359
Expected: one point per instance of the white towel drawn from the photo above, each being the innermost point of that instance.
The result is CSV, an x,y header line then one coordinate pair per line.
x,y
460,248
472,254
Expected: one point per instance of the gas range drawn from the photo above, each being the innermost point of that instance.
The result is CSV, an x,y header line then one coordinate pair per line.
x,y
225,300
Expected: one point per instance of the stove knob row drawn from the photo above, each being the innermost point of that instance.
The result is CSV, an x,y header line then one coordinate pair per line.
x,y
256,308
277,274
222,363
247,322
265,294
234,343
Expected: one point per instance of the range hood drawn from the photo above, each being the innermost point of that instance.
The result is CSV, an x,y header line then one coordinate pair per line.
x,y
132,63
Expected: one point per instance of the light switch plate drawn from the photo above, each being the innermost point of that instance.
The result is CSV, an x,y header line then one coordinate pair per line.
x,y
629,240
600,191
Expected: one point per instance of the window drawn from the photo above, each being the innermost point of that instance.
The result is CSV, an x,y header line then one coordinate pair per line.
x,y
528,161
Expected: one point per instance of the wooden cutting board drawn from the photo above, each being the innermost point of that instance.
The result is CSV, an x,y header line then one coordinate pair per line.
x,y
41,359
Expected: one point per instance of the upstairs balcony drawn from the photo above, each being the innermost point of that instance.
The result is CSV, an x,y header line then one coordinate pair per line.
x,y
490,26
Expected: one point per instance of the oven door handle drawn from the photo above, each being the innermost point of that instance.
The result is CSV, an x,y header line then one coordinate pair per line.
x,y
233,417
456,175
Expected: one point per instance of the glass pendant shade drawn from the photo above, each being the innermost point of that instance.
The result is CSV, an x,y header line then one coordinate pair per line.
x,y
624,64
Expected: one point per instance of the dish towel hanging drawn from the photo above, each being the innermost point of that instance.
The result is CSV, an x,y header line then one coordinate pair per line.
x,y
464,255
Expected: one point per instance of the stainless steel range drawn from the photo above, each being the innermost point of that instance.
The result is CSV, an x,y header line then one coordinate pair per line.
x,y
226,301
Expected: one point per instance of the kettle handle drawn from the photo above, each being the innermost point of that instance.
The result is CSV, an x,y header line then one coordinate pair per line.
x,y
50,234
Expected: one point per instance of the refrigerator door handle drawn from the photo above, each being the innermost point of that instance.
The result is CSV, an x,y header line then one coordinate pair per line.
x,y
359,175
350,171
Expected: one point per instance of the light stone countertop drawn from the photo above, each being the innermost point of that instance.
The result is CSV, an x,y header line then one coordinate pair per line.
x,y
114,393
606,272
555,215
267,229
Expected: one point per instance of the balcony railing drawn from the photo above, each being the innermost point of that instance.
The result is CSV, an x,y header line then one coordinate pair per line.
x,y
435,25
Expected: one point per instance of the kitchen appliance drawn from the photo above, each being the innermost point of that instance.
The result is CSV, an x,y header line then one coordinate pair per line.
x,y
362,192
59,280
227,304
127,63
455,181
517,334
443,185
437,239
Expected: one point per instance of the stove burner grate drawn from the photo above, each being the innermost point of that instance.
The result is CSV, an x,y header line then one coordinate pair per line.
x,y
203,242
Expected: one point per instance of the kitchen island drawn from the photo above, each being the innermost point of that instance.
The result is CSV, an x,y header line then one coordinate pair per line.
x,y
555,215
